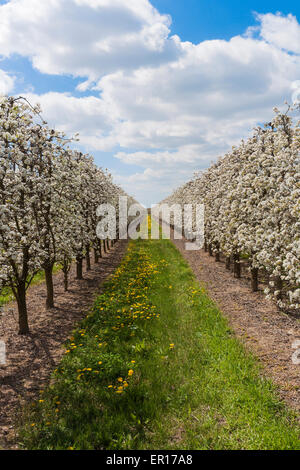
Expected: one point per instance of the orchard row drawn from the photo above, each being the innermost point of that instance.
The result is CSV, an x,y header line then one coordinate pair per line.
x,y
252,207
49,194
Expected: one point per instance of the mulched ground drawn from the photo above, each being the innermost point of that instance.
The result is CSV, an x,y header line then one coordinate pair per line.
x,y
265,331
31,359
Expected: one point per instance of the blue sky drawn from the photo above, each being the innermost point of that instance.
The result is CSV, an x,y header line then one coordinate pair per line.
x,y
150,106
198,20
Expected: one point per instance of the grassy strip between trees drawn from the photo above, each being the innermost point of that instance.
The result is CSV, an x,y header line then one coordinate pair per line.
x,y
155,366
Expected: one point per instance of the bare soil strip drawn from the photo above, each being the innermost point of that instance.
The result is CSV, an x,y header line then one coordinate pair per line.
x,y
31,359
266,331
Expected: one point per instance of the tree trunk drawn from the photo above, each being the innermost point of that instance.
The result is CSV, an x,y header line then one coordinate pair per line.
x,y
254,279
88,258
96,256
66,281
104,246
218,253
228,263
210,250
66,270
79,275
279,286
107,245
66,278
237,265
49,285
22,308
205,247
100,249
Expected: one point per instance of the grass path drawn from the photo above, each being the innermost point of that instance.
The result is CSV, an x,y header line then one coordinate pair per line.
x,y
155,366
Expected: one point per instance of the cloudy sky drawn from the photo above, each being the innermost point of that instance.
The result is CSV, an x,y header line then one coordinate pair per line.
x,y
156,89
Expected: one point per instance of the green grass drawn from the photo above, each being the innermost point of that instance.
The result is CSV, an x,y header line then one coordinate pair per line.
x,y
6,294
205,392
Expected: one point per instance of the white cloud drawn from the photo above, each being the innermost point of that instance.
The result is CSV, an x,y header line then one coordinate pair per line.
x,y
84,37
7,83
211,97
188,154
150,186
282,31
89,115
